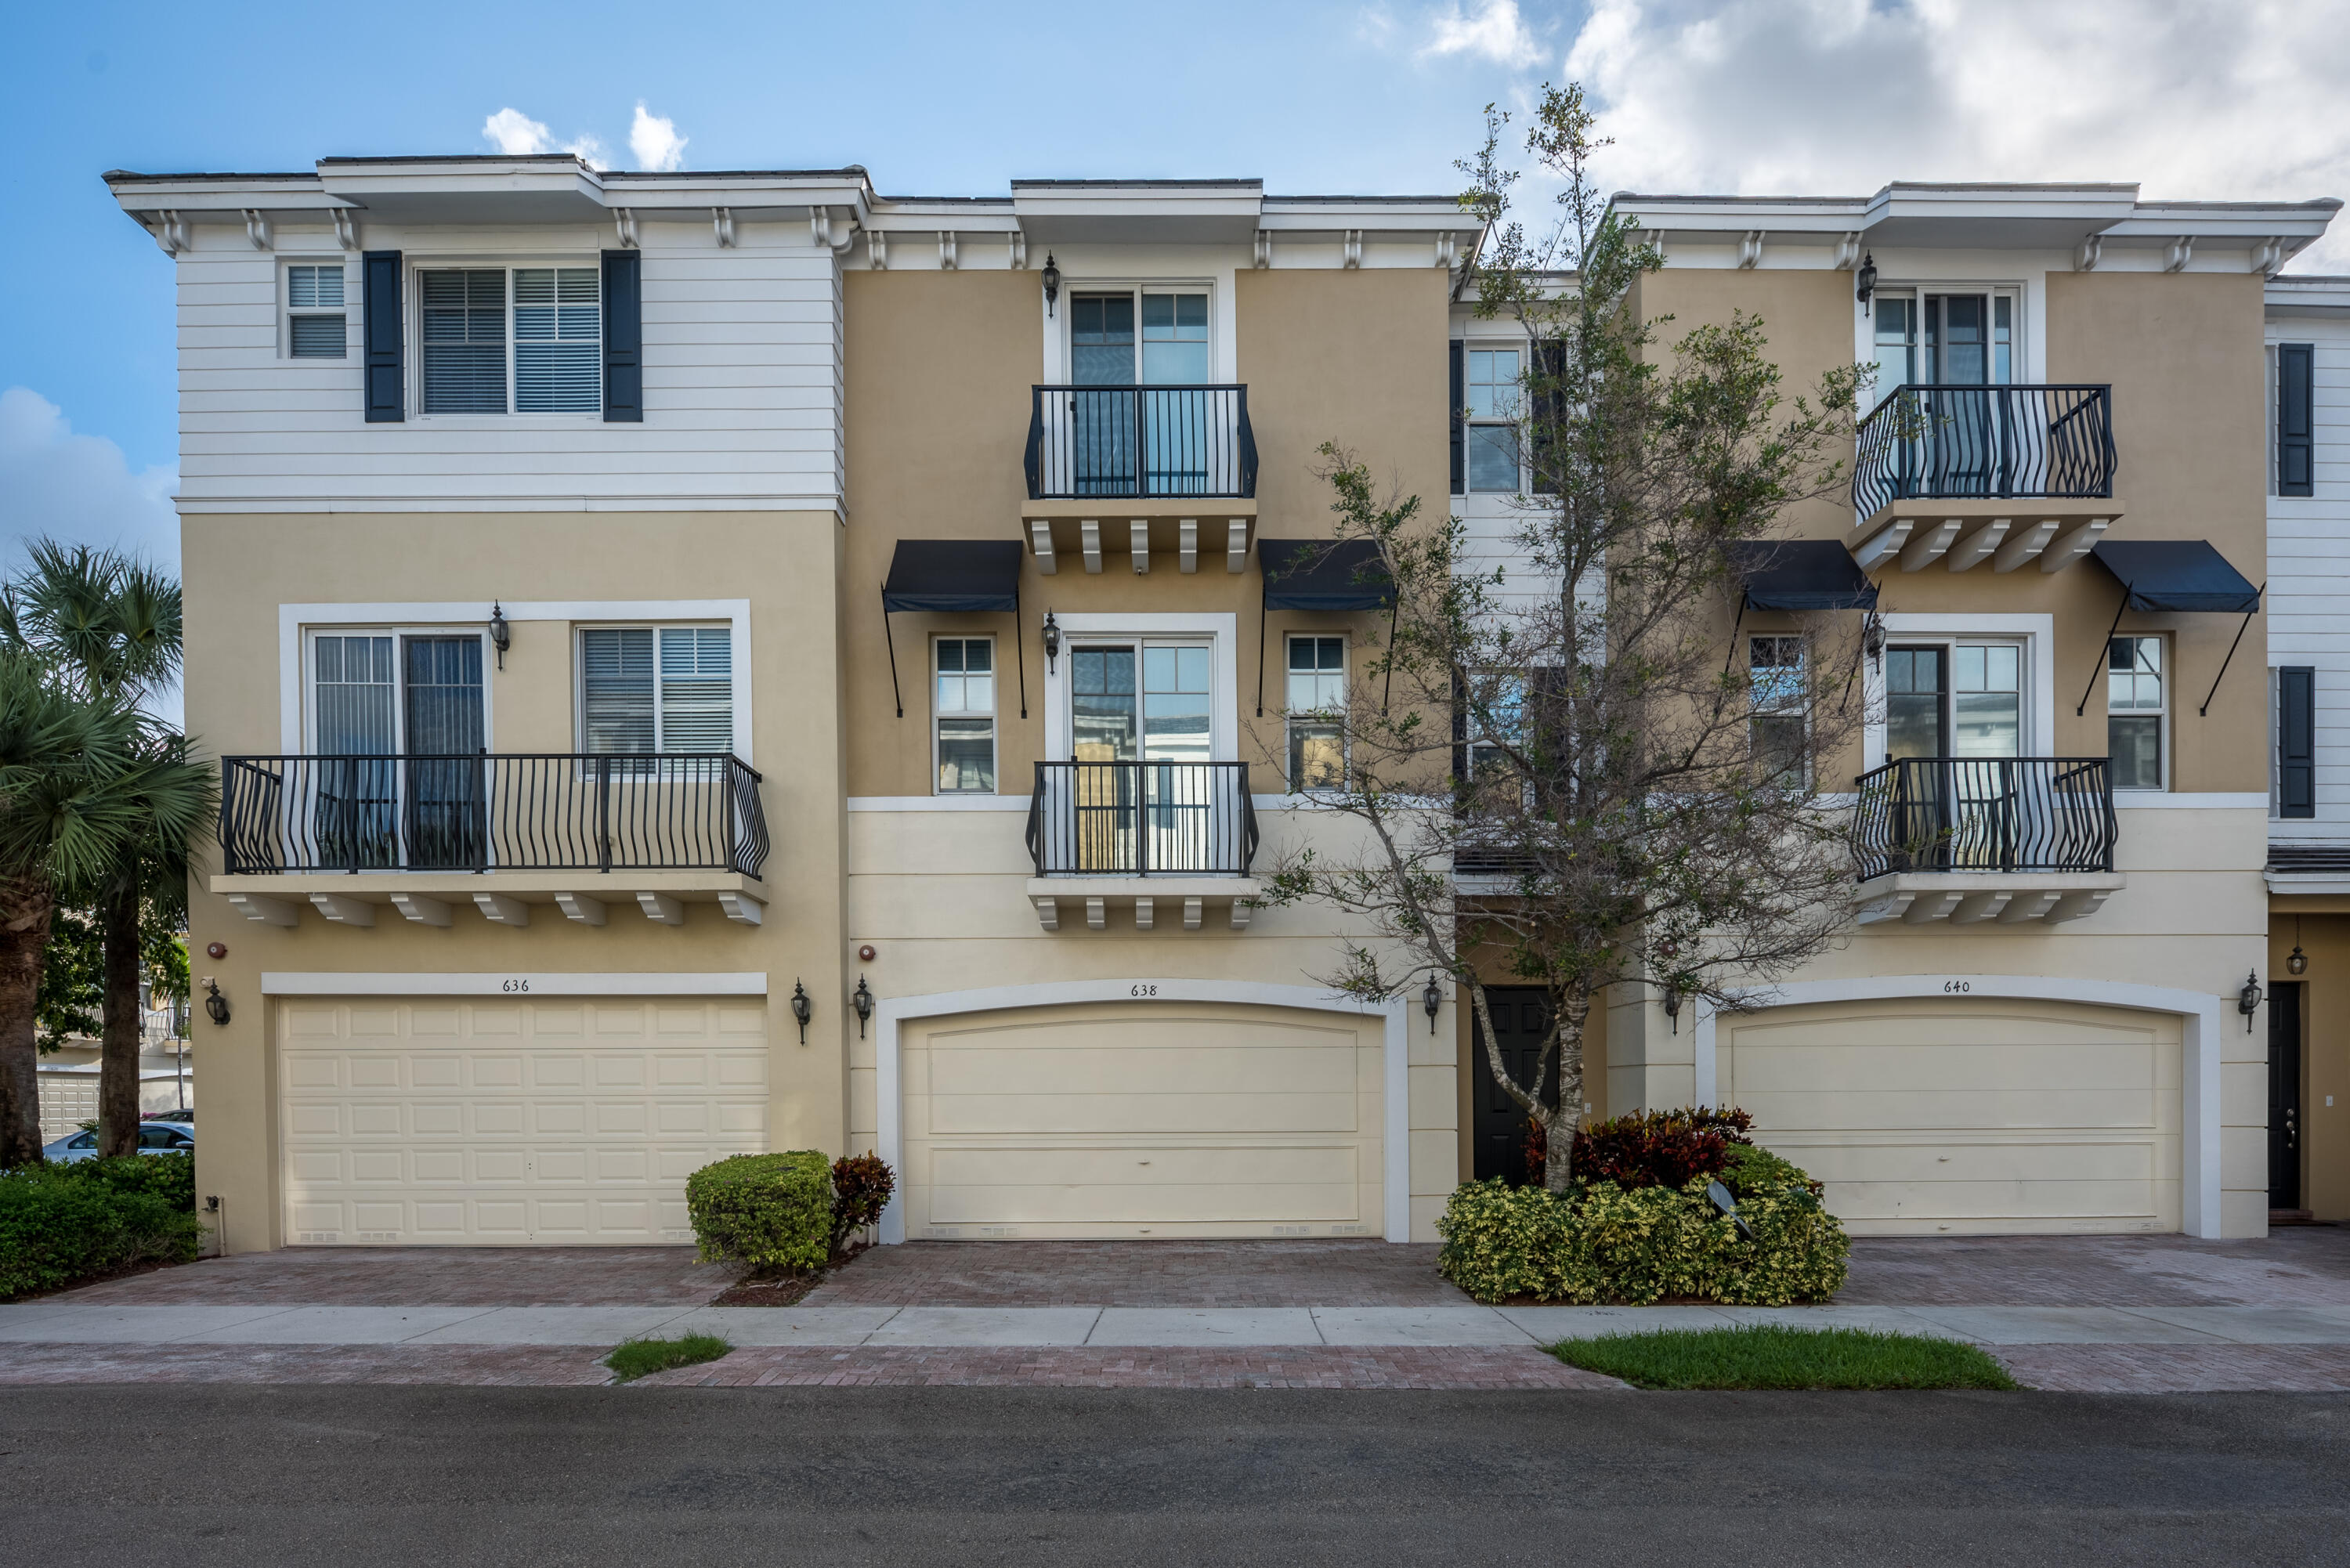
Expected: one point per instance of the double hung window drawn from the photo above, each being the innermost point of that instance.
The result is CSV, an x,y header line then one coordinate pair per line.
x,y
646,690
522,340
1317,712
965,714
314,311
1497,389
1778,728
2136,709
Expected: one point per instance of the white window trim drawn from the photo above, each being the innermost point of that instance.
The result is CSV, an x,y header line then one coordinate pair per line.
x,y
995,714
1347,732
530,641
306,717
1223,357
1220,630
352,303
2037,633
411,292
2170,709
1523,346
633,623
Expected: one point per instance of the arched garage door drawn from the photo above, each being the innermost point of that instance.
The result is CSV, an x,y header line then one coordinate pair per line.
x,y
1935,1117
1143,1120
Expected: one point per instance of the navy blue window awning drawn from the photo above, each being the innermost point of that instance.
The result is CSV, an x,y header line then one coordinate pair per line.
x,y
2177,575
953,576
1325,574
1802,575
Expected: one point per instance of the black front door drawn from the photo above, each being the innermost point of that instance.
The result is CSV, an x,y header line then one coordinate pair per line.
x,y
1521,1018
2284,1094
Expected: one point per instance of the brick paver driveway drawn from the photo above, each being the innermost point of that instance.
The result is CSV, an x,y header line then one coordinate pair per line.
x,y
2297,1265
426,1277
1142,1274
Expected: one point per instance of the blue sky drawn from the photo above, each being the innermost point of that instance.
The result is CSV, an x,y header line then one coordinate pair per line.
x,y
2192,98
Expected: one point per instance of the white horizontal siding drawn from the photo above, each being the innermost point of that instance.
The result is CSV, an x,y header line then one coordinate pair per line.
x,y
2309,577
742,373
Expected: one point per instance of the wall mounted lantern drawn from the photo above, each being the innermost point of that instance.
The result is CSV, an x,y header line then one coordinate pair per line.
x,y
2299,962
802,1008
1052,641
2248,1000
1872,638
1865,279
1431,1000
862,1000
501,634
1673,1006
215,1005
1052,283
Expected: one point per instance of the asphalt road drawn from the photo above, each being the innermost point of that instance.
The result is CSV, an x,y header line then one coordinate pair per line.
x,y
364,1475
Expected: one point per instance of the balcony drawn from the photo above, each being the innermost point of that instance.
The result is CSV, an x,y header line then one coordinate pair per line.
x,y
1140,443
2023,473
500,831
1147,834
1969,839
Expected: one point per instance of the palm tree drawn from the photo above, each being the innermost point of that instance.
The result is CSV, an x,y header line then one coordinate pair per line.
x,y
69,804
108,625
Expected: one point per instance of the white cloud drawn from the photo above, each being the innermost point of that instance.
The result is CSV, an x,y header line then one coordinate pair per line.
x,y
77,488
517,135
2209,99
1492,31
654,142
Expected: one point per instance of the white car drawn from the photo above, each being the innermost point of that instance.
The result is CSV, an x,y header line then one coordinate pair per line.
x,y
154,1137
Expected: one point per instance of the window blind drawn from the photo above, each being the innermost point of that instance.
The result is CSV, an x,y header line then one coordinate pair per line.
x,y
558,334
355,685
313,298
464,340
616,673
697,689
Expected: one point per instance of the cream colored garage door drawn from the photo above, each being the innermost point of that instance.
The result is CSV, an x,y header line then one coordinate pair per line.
x,y
1152,1119
1926,1118
501,1124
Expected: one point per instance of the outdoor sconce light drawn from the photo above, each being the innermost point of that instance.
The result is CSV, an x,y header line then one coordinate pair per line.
x,y
2299,962
501,634
1431,1000
2248,1000
1865,278
1872,638
215,1005
1052,283
862,1000
1673,1006
802,1008
1052,641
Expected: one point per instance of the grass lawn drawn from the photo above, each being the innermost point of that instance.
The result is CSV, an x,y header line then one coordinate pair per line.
x,y
1772,1356
642,1357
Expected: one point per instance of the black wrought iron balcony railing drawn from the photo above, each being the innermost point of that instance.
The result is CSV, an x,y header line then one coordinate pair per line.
x,y
1930,442
1985,813
1142,819
1140,442
492,812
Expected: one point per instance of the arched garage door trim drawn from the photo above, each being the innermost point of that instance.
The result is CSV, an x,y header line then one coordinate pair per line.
x,y
1395,1108
2200,1018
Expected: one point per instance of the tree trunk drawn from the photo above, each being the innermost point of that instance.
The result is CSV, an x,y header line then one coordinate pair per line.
x,y
1558,1149
24,909
117,1051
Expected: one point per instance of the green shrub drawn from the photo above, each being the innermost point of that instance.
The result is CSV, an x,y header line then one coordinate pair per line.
x,y
1752,1168
861,1185
770,1211
61,1224
1601,1242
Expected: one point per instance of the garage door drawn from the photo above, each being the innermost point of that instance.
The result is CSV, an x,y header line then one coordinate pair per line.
x,y
1929,1118
1151,1120
498,1124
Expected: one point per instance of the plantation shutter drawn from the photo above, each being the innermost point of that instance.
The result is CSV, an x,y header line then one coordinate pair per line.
x,y
386,396
1459,422
2297,741
616,695
2295,414
624,389
697,689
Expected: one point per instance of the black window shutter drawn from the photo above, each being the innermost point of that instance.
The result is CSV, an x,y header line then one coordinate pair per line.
x,y
1459,433
624,338
1550,364
387,392
2297,741
2296,432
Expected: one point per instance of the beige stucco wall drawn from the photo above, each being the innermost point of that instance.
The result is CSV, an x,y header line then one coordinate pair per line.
x,y
239,570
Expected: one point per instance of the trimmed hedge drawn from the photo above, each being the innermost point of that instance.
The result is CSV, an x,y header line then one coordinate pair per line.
x,y
1599,1243
62,1223
770,1211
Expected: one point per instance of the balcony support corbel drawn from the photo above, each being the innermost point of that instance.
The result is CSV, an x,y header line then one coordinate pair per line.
x,y
1097,915
1137,540
2078,903
1048,913
1192,909
1236,544
1978,907
1881,546
1040,538
661,909
1979,546
2024,546
1187,535
424,912
343,910
2031,906
1145,912
742,909
2070,546
1929,545
1928,907
267,911
500,910
1241,910
1090,533
579,907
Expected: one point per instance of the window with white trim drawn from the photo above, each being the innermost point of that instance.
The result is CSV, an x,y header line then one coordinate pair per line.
x,y
314,311
1317,712
963,709
522,340
1778,728
1495,388
2138,710
656,689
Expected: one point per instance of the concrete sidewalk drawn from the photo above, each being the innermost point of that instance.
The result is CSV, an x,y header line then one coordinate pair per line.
x,y
60,1323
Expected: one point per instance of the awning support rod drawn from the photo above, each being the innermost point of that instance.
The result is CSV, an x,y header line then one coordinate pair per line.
x,y
2231,655
1019,649
1261,592
1388,689
1741,620
2103,653
892,644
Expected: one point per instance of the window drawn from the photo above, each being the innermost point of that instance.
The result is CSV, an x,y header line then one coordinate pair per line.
x,y
1317,708
1954,699
1173,344
1943,339
1493,386
965,714
314,311
647,690
2135,711
1778,729
541,354
1148,702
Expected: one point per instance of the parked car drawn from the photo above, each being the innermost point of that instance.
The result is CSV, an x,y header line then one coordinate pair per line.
x,y
154,1137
